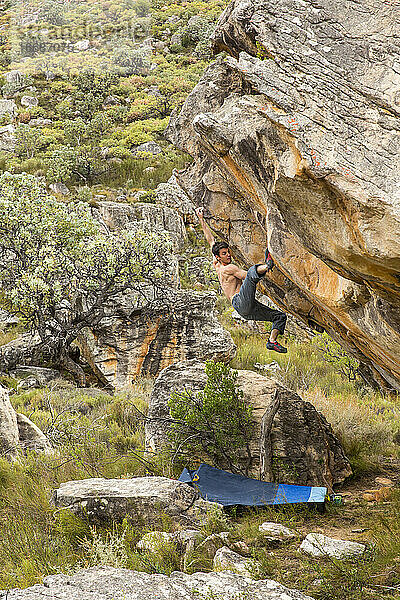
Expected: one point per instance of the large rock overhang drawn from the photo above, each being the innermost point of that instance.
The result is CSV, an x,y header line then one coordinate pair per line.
x,y
295,139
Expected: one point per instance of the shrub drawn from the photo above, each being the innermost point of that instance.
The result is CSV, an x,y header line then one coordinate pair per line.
x,y
215,422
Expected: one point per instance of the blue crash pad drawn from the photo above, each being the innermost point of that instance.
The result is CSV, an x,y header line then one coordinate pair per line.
x,y
229,489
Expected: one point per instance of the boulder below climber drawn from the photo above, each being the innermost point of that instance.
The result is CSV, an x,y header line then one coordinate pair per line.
x,y
291,442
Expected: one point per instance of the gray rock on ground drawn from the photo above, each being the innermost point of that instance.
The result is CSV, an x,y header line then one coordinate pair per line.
x,y
17,432
144,498
292,442
319,545
9,436
31,437
8,107
108,583
34,377
227,560
276,532
7,138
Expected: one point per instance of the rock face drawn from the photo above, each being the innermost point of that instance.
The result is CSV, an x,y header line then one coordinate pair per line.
x,y
107,583
171,194
292,442
144,498
17,431
131,340
131,343
295,142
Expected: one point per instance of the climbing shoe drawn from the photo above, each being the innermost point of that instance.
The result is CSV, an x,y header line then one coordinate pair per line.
x,y
269,261
277,347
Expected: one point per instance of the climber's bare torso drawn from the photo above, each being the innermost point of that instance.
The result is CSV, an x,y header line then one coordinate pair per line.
x,y
229,275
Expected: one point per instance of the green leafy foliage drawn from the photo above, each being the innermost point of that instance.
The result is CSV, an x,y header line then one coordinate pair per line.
x,y
214,423
58,268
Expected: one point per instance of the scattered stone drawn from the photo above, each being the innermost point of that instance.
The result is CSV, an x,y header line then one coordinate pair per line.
x,y
111,101
188,536
319,545
272,366
143,498
8,107
154,540
7,138
9,435
381,495
31,437
40,122
34,377
212,543
108,583
29,101
227,560
276,532
59,188
150,147
82,45
17,431
14,76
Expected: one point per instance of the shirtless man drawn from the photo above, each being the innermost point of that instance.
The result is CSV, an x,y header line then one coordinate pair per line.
x,y
239,287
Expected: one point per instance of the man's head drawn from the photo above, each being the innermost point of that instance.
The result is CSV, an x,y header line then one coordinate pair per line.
x,y
221,252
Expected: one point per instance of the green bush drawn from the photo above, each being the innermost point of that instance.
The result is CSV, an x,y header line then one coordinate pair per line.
x,y
214,423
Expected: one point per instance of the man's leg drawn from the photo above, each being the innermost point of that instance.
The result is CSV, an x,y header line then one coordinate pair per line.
x,y
261,312
243,302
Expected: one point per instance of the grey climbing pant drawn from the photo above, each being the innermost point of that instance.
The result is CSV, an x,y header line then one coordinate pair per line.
x,y
245,303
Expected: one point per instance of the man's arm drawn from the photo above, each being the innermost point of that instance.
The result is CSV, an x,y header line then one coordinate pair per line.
x,y
235,271
206,230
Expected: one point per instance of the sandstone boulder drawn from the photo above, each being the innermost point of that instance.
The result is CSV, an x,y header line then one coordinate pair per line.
x,y
9,436
108,583
29,101
7,138
150,147
34,377
30,436
292,441
276,532
143,498
118,215
59,188
132,341
8,107
294,138
227,560
171,194
13,76
320,545
17,432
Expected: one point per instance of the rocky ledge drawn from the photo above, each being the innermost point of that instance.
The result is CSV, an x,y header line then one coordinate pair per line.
x,y
107,583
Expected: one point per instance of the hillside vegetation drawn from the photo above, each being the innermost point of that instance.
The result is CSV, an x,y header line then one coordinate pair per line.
x,y
104,78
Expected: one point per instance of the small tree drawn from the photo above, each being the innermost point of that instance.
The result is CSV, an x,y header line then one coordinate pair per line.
x,y
214,423
61,272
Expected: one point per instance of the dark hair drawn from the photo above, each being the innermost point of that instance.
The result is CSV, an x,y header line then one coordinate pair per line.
x,y
217,247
